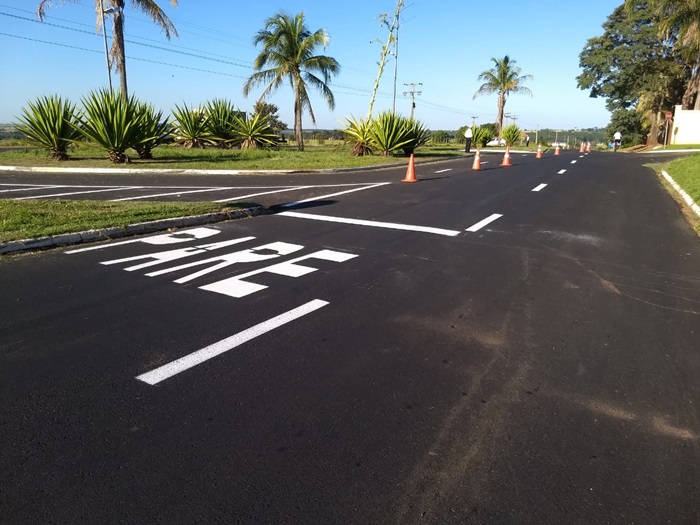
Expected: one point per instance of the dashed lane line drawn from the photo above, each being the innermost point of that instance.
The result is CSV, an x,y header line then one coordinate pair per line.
x,y
540,187
488,220
561,172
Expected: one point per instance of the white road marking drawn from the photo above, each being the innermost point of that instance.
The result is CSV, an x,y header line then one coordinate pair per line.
x,y
290,204
374,224
265,193
160,239
200,356
168,194
481,224
236,287
581,156
31,188
78,193
573,162
443,171
540,187
561,172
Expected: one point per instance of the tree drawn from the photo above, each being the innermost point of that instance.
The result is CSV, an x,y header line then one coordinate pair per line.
x,y
117,52
266,109
288,47
630,63
504,78
679,21
628,122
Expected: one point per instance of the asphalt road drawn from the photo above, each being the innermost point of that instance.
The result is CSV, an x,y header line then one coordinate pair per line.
x,y
481,349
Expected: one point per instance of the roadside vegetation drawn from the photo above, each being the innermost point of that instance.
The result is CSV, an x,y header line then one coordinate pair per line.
x,y
686,172
28,219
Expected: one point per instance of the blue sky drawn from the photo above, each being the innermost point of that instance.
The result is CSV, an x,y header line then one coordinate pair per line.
x,y
443,44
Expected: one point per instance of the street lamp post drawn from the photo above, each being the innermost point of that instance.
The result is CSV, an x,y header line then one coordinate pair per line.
x,y
104,35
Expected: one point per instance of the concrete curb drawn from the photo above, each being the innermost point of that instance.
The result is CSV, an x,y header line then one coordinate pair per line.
x,y
54,241
682,193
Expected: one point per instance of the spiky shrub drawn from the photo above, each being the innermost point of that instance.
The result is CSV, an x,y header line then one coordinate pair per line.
x,y
481,135
417,133
191,127
221,115
389,133
152,131
511,134
253,133
112,122
357,132
51,122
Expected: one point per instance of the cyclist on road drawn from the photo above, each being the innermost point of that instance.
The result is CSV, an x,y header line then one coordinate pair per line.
x,y
617,140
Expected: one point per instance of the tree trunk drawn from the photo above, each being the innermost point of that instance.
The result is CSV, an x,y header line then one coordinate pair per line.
x,y
499,118
297,117
653,136
118,46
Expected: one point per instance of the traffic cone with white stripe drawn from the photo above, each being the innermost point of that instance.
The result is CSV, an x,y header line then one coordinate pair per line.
x,y
582,149
557,151
506,157
539,151
411,171
476,166
588,147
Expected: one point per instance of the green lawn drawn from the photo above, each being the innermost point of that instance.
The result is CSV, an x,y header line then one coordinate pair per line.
x,y
686,172
28,219
174,157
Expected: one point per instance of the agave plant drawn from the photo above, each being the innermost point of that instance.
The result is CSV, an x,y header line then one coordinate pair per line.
x,y
357,132
417,133
152,130
482,135
191,127
511,134
52,123
112,122
253,133
221,115
389,132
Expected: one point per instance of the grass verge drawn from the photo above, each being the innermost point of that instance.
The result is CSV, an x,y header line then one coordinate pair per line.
x,y
686,172
174,157
28,219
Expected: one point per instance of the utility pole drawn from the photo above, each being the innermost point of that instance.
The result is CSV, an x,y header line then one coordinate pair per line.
x,y
396,53
474,120
104,35
413,94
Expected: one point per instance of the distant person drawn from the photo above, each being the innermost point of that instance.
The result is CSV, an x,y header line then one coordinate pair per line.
x,y
468,135
617,140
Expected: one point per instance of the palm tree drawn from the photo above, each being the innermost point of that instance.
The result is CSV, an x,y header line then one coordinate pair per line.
x,y
504,78
149,7
288,47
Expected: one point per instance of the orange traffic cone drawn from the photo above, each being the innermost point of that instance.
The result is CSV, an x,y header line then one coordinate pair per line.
x,y
506,158
582,149
557,151
588,147
476,166
411,171
539,151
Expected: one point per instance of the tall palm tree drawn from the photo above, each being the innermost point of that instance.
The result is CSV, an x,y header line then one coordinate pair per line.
x,y
504,78
149,7
288,49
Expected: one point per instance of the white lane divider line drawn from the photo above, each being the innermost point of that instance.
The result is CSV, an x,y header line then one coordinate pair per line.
x,y
290,204
78,193
573,162
540,187
239,197
488,220
168,194
200,356
33,188
561,172
443,171
374,224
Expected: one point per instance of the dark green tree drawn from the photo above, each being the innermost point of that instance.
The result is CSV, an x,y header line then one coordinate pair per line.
x,y
631,64
271,111
630,123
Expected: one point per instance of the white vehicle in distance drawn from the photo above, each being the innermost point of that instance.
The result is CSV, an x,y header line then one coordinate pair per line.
x,y
495,142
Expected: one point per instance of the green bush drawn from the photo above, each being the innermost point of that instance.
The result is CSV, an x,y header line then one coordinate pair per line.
x,y
511,134
191,127
152,130
52,123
